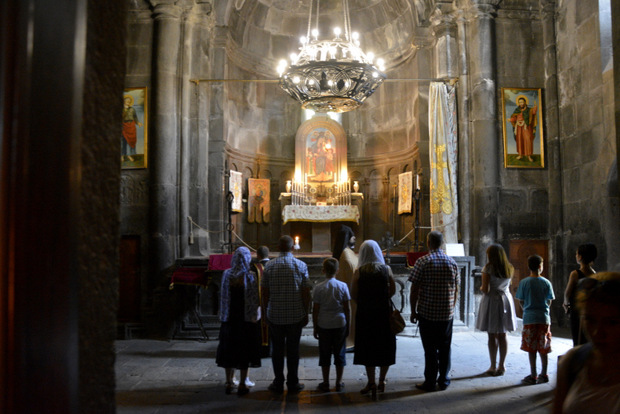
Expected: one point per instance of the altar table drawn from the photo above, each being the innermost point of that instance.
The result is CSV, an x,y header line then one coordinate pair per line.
x,y
320,214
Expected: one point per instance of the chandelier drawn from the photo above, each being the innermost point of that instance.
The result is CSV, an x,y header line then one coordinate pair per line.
x,y
331,75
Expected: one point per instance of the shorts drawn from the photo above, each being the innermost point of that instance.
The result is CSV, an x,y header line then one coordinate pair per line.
x,y
536,338
332,342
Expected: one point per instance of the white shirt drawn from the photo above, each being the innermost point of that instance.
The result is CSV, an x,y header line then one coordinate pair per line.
x,y
330,295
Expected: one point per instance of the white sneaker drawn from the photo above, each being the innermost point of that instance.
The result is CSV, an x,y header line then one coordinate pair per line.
x,y
248,382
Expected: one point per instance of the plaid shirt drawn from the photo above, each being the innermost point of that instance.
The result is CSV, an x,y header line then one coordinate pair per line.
x,y
285,277
438,277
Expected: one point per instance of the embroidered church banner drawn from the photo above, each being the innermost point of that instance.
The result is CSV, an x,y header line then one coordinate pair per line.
x,y
405,181
443,160
235,185
258,200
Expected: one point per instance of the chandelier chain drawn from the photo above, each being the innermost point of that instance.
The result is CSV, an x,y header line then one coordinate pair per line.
x,y
318,6
347,20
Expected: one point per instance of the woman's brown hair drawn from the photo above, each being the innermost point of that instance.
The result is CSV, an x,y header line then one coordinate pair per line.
x,y
498,259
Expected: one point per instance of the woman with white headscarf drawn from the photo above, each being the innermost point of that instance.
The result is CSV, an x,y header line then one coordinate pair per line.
x,y
239,346
375,344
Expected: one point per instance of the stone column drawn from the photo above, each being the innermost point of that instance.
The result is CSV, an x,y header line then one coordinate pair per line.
x,y
193,142
484,135
218,174
462,97
554,167
163,142
445,45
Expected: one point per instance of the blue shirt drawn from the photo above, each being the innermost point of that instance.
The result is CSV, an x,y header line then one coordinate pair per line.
x,y
536,294
330,295
285,277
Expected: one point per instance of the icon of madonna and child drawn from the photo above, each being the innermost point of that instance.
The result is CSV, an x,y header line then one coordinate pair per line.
x,y
320,155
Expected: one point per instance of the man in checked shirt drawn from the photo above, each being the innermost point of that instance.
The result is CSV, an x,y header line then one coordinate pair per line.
x,y
435,282
286,297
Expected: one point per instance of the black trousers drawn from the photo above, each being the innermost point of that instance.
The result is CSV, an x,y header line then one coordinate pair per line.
x,y
436,339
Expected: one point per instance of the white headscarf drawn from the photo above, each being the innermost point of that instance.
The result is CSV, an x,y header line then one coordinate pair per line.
x,y
370,252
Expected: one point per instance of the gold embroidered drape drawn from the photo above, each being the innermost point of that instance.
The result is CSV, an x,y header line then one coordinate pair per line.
x,y
443,151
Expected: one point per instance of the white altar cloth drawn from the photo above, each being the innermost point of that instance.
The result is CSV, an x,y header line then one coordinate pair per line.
x,y
320,214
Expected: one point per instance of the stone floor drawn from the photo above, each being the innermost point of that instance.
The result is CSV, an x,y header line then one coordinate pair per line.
x,y
180,376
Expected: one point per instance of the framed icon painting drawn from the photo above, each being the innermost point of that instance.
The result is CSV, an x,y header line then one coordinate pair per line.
x,y
134,143
523,128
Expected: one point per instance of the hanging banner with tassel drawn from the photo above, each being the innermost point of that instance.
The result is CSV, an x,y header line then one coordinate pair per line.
x,y
405,181
235,186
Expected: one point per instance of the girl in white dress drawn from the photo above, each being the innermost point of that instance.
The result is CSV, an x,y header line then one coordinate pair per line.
x,y
496,314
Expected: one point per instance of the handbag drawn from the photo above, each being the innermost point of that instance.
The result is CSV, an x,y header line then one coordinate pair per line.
x,y
397,323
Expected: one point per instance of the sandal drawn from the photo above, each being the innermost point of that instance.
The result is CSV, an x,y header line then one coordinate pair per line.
x,y
229,388
529,380
542,378
500,372
381,386
339,386
491,371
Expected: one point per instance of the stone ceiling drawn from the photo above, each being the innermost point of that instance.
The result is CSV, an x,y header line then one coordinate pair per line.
x,y
261,32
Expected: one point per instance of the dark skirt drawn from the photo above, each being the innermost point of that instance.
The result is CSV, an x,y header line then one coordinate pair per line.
x,y
375,344
240,341
240,345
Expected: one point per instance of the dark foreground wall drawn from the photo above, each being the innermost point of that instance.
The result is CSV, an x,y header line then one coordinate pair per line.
x,y
62,69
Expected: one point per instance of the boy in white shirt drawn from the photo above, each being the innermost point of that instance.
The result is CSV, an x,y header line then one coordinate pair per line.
x,y
331,316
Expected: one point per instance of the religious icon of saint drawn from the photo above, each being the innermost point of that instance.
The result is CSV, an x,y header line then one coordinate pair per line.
x,y
523,120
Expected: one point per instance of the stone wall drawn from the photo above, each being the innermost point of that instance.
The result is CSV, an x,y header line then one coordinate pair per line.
x,y
587,135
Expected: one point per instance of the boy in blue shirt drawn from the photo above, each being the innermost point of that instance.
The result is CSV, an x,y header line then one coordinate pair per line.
x,y
535,294
331,319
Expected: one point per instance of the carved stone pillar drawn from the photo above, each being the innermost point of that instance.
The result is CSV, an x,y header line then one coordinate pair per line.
x,y
484,135
193,143
462,96
552,138
163,142
218,174
445,45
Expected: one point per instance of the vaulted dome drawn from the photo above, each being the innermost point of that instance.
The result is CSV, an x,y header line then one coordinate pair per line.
x,y
264,31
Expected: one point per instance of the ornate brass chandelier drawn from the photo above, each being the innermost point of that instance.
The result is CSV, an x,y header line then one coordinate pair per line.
x,y
331,75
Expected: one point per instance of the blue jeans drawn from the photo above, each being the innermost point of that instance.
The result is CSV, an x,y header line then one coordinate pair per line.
x,y
436,339
285,338
332,342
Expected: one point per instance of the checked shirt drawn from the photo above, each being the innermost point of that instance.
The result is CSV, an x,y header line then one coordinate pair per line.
x,y
437,275
285,277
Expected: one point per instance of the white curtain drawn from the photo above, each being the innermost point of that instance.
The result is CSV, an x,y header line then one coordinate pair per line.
x,y
443,160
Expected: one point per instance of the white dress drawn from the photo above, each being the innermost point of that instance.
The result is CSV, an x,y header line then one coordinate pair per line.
x,y
497,309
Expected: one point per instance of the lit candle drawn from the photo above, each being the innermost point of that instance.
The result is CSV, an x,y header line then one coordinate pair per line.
x,y
417,181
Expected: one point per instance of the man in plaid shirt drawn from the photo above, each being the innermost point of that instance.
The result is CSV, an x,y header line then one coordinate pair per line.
x,y
286,297
435,282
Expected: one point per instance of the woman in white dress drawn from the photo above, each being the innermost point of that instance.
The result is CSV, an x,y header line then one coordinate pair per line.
x,y
496,314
